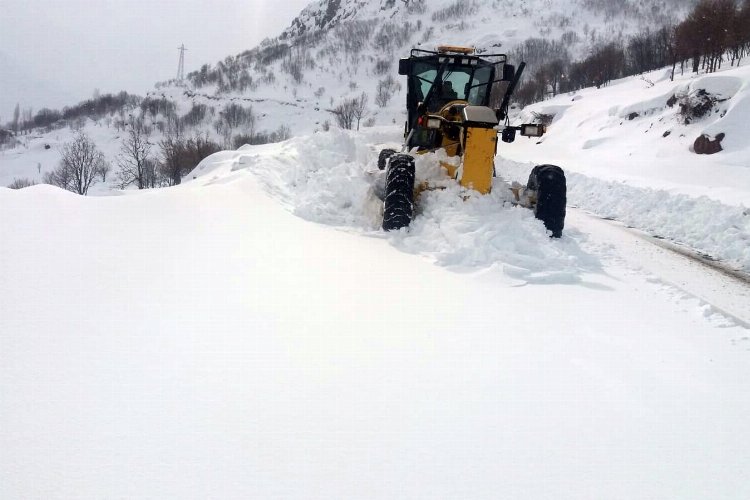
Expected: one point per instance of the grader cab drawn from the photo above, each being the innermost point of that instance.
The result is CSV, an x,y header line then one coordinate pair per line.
x,y
458,101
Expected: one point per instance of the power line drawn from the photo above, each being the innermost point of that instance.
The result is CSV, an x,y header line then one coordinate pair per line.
x,y
181,66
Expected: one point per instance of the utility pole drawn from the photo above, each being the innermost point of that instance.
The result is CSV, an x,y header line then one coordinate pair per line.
x,y
181,66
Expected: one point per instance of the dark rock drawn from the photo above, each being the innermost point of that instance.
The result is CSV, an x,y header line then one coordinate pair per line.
x,y
633,116
667,133
704,145
672,101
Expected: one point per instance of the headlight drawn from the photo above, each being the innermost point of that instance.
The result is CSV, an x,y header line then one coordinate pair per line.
x,y
532,130
433,123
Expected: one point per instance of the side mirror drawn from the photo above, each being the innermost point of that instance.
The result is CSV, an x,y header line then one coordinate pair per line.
x,y
531,130
509,72
508,135
405,66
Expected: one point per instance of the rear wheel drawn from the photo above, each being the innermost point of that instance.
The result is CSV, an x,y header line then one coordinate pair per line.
x,y
398,207
551,196
383,157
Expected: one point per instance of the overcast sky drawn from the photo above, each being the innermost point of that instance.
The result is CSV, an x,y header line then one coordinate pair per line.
x,y
52,51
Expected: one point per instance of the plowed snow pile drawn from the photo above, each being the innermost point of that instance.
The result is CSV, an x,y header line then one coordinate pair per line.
x,y
330,178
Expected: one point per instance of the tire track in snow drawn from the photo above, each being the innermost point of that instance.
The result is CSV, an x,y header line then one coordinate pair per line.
x,y
725,293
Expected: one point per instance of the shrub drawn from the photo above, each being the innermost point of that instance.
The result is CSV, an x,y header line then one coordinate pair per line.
x,y
382,66
179,156
386,88
21,183
696,105
280,134
416,7
195,116
457,10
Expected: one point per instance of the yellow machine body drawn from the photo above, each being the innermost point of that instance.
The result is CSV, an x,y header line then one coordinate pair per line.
x,y
474,144
479,158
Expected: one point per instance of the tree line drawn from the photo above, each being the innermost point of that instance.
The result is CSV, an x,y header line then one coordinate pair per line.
x,y
140,162
714,33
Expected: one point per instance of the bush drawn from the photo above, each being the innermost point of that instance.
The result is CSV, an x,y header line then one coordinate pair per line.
x,y
21,183
354,35
386,88
382,66
392,36
457,10
280,134
696,105
195,116
7,139
543,118
416,7
80,164
350,110
233,117
154,107
179,156
294,69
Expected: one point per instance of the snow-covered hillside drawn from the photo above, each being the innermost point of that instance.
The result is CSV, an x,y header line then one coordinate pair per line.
x,y
251,334
337,49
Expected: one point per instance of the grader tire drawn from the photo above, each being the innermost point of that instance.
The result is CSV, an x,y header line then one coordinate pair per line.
x,y
551,196
383,157
398,207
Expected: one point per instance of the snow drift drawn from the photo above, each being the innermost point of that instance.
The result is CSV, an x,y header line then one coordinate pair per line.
x,y
205,341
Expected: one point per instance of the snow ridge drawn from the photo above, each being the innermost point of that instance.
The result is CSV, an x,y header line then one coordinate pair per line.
x,y
330,178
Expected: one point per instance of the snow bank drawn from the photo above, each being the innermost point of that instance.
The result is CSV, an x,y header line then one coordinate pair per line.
x,y
331,178
627,155
708,226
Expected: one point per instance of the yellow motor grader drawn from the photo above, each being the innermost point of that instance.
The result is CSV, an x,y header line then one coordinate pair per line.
x,y
458,101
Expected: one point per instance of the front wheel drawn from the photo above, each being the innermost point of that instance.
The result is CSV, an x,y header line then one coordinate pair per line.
x,y
383,158
398,207
551,196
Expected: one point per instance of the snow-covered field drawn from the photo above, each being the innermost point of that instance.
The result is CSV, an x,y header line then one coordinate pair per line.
x,y
251,334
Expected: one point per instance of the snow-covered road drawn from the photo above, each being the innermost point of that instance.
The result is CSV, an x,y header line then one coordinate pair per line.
x,y
719,290
210,341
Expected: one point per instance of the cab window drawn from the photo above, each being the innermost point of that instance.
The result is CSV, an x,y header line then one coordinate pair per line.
x,y
479,85
424,75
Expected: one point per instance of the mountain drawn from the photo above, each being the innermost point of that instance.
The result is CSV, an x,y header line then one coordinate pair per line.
x,y
337,49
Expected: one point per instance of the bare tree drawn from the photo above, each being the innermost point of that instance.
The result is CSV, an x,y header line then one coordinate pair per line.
x,y
350,110
386,88
104,170
134,156
170,167
179,156
360,108
81,162
235,117
344,114
16,117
